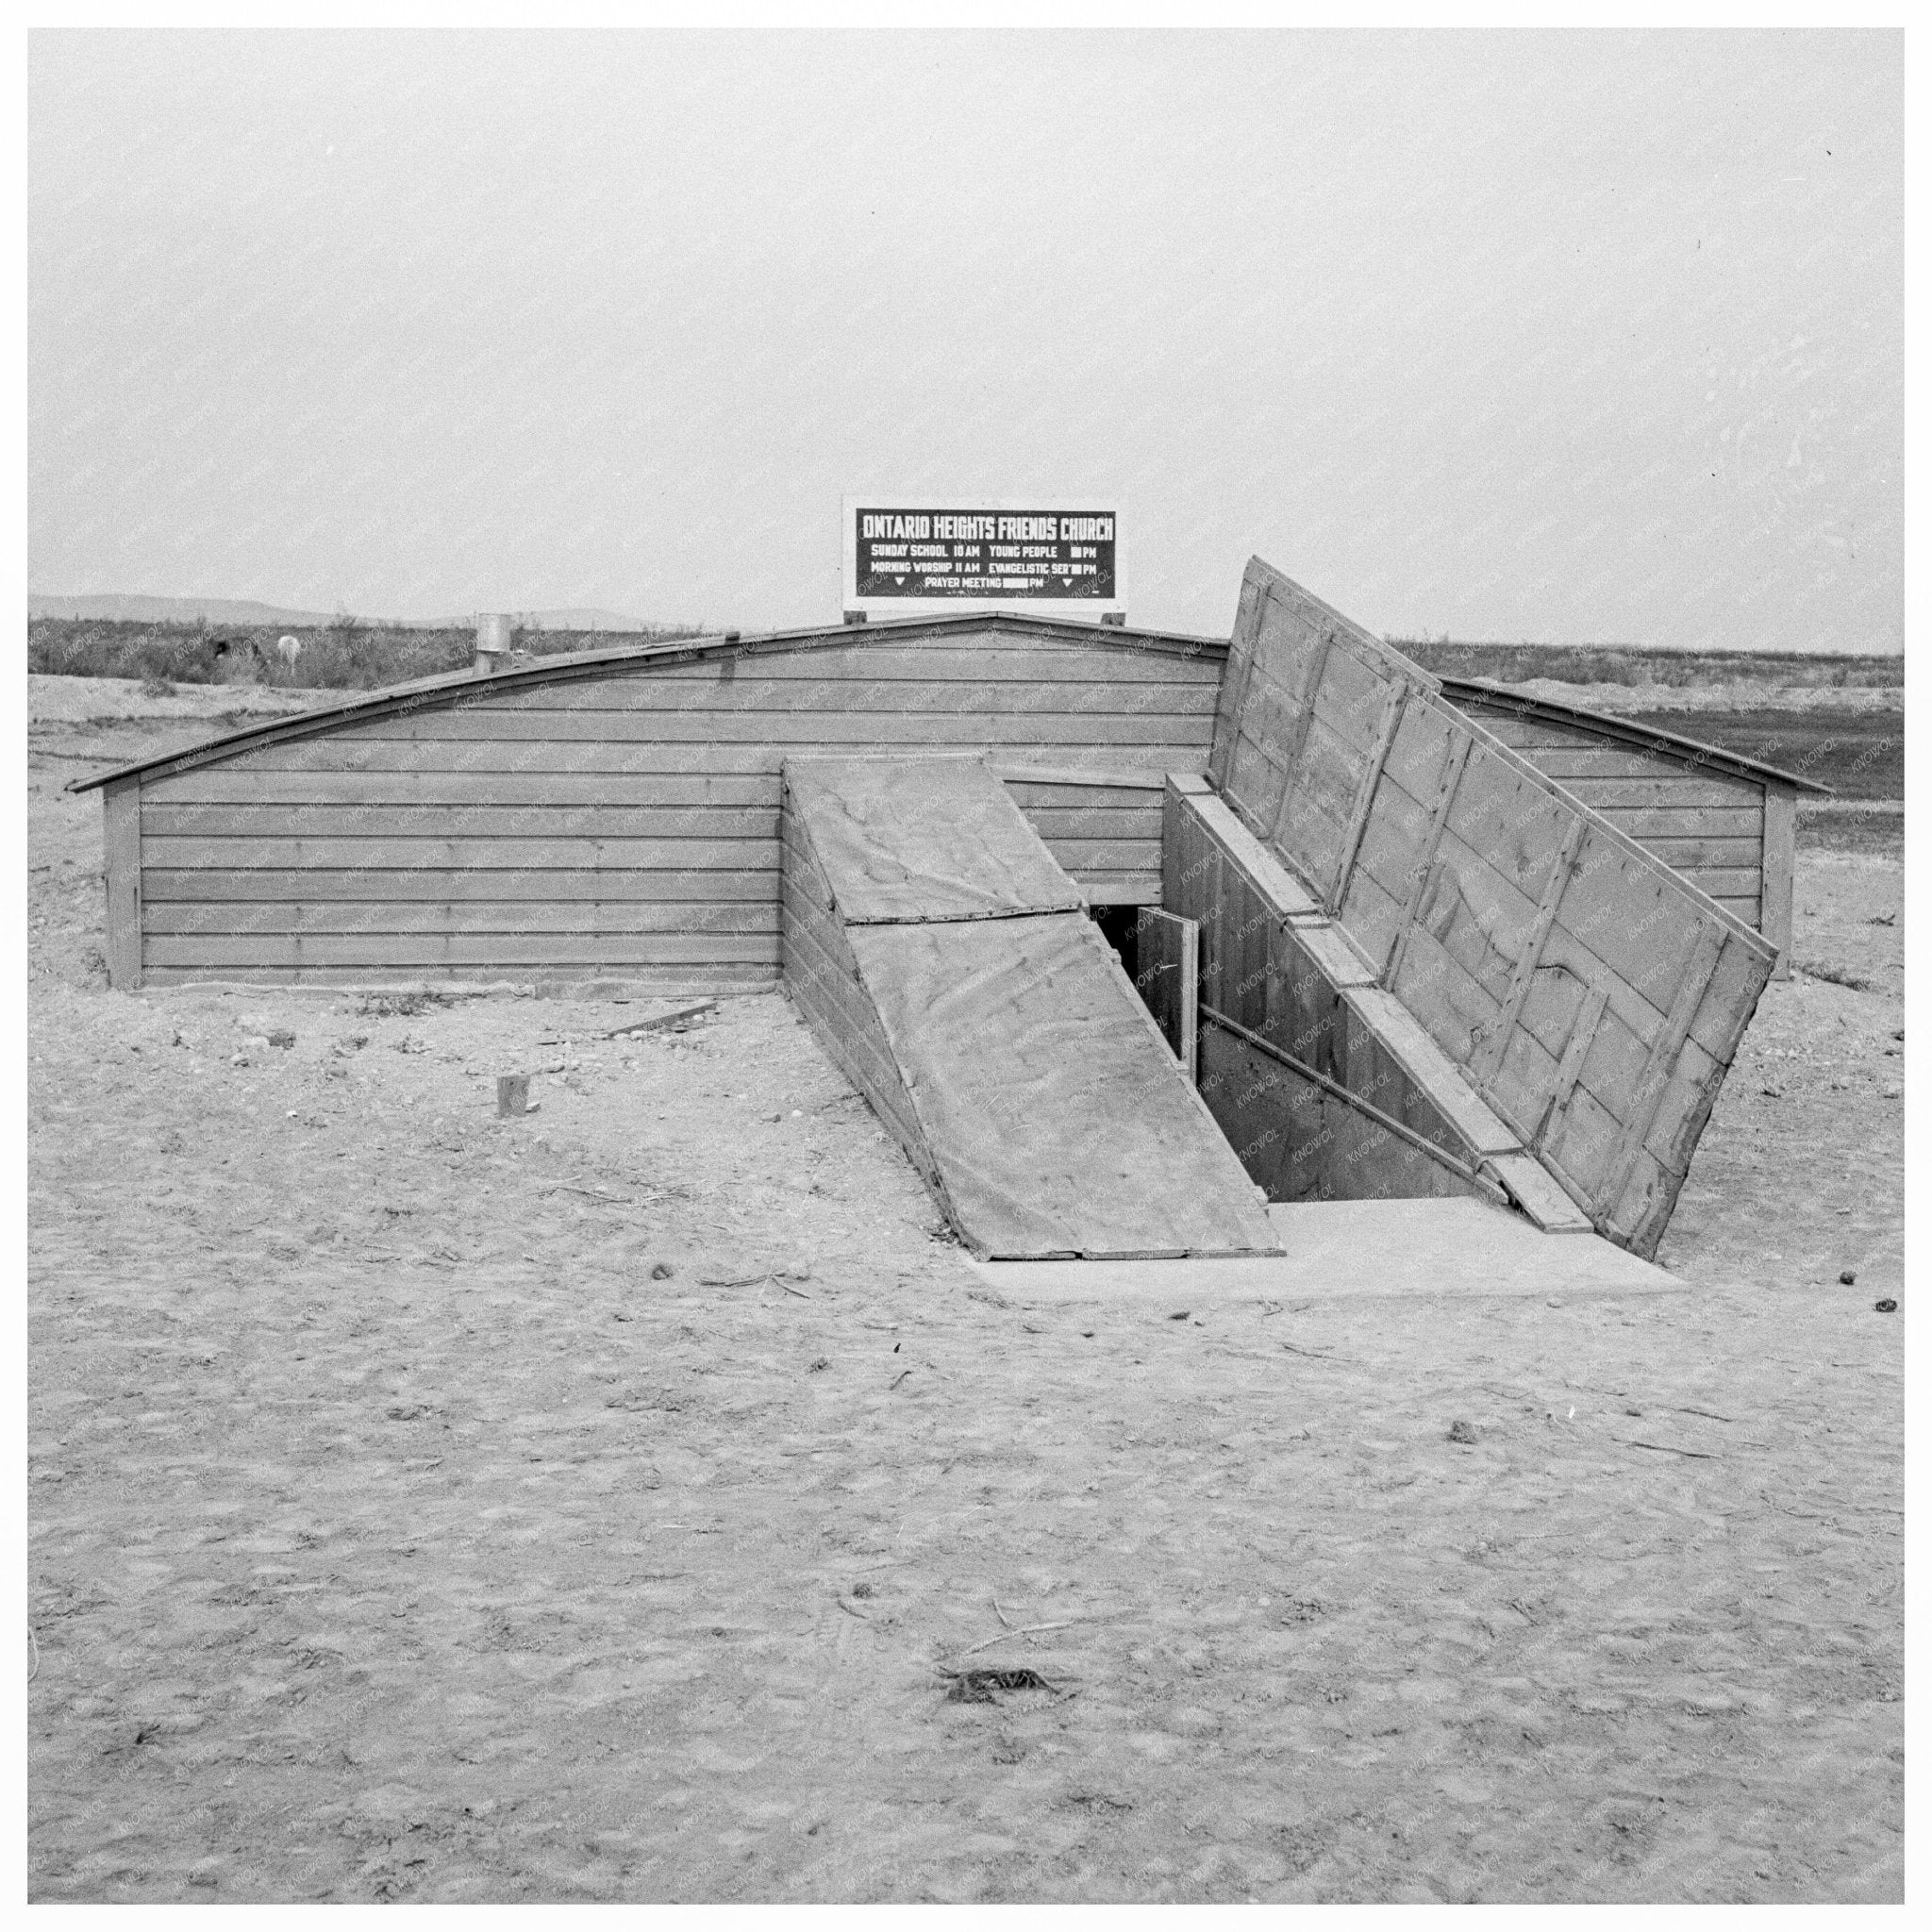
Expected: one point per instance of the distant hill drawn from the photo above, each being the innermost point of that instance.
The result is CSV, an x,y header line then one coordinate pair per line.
x,y
116,607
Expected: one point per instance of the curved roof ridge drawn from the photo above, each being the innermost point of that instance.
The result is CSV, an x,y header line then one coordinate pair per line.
x,y
563,666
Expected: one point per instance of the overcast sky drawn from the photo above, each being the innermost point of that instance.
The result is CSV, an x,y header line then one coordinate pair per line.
x,y
1571,338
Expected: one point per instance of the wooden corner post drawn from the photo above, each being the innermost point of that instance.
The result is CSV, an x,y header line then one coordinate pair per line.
x,y
121,842
1778,857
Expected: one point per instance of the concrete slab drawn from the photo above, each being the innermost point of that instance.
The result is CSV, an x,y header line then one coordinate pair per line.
x,y
1361,1250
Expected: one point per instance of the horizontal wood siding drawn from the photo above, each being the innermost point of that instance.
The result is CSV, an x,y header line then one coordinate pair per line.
x,y
1707,825
627,822
1108,837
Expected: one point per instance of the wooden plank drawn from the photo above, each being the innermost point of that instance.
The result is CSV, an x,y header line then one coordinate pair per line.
x,y
1255,780
1616,795
1327,778
1242,945
1721,882
121,866
1549,1015
1107,855
1642,1008
1233,681
817,729
1452,1005
1510,821
510,952
1030,774
1778,867
1415,762
1365,793
267,886
345,916
357,748
1100,690
1292,606
1649,825
1681,1117
1639,1115
1631,1019
1300,721
1604,763
1366,1064
1537,1192
1441,1080
1397,829
1536,739
1329,946
686,979
1351,697
1490,1058
1699,854
1569,1069
1054,795
1270,721
253,786
1743,970
1582,1146
352,751
1460,745
443,821
1042,660
1140,821
1525,733
1119,888
508,855
992,631
1522,1081
1289,895
1639,918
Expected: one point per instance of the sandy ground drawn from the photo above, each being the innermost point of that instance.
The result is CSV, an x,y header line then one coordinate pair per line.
x,y
429,1507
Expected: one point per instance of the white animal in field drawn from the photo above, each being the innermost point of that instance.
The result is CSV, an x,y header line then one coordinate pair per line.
x,y
288,649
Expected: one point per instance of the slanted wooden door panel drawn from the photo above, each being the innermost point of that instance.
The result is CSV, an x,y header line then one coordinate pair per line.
x,y
1168,975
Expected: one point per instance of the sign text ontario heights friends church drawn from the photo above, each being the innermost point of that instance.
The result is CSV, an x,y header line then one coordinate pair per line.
x,y
899,557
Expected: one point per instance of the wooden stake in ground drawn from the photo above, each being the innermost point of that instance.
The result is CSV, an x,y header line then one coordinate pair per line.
x,y
512,1095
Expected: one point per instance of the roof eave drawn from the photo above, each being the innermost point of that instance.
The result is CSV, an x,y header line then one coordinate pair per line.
x,y
1693,751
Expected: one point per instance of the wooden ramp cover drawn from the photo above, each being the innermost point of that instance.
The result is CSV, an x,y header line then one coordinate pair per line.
x,y
907,841
1592,996
1002,1044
